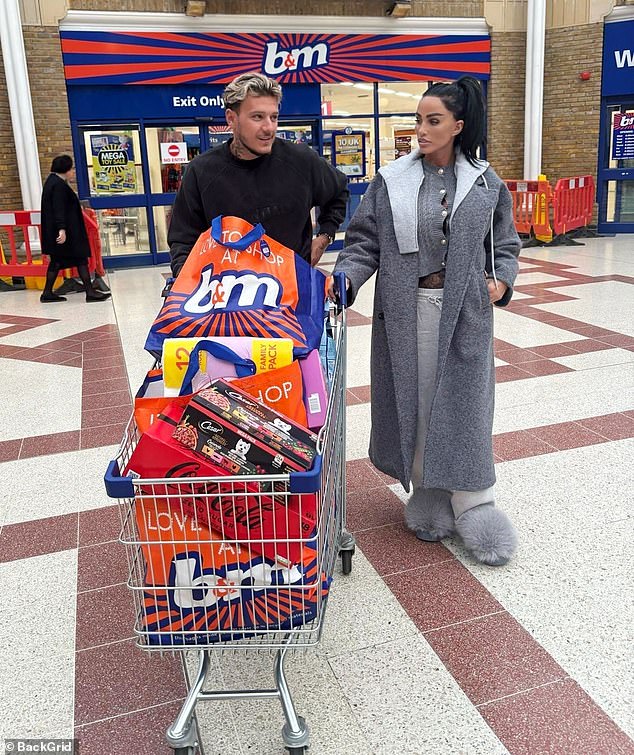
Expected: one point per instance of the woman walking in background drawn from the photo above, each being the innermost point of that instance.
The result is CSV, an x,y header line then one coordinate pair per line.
x,y
437,228
64,237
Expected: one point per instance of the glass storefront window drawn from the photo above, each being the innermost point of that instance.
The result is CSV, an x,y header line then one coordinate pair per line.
x,y
218,135
170,149
362,130
396,137
347,99
400,96
113,157
123,230
620,202
161,217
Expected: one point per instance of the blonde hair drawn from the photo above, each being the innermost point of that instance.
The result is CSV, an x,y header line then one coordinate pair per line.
x,y
253,83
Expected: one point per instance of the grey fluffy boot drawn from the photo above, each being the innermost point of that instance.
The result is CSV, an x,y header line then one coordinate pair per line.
x,y
488,533
429,514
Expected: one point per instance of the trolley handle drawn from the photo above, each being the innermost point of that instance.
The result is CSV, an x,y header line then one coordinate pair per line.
x,y
341,291
167,287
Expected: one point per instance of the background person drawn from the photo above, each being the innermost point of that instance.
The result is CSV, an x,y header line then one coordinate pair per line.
x,y
64,236
437,227
260,178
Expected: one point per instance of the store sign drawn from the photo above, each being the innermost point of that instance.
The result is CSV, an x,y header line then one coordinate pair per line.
x,y
623,136
114,171
174,152
349,152
107,57
618,58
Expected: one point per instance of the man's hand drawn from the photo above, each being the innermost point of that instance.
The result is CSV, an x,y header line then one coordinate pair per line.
x,y
330,289
318,247
61,237
496,292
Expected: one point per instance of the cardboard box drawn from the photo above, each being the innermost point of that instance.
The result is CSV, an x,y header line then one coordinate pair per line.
x,y
246,512
201,589
294,442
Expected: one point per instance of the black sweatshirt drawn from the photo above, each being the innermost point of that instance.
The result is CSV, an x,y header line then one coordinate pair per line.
x,y
278,190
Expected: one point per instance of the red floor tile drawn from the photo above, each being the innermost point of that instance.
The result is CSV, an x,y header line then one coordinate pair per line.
x,y
586,345
545,367
559,718
106,362
55,357
108,415
139,733
37,537
361,475
10,449
55,443
101,566
515,355
612,426
590,331
95,351
103,616
106,400
356,318
505,373
493,656
617,339
362,392
519,445
99,525
352,399
115,382
555,350
441,594
108,435
373,508
120,678
394,548
567,435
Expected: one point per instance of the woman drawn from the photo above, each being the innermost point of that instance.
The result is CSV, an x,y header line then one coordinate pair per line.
x,y
437,228
64,237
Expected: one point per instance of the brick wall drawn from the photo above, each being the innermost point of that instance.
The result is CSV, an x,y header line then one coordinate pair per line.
x,y
10,197
506,104
452,8
572,107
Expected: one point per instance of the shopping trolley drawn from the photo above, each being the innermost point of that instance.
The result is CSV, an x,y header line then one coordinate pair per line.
x,y
259,580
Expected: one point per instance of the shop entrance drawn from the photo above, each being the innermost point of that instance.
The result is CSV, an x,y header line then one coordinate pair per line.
x,y
616,168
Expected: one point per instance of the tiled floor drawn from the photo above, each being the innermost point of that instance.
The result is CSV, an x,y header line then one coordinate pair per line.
x,y
424,651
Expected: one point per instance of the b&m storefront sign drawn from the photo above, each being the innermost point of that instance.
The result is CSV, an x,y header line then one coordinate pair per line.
x,y
142,58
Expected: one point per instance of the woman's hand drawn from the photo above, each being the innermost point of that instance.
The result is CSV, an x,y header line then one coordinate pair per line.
x,y
61,237
331,291
496,291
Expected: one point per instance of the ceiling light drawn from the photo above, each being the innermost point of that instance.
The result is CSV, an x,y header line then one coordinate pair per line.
x,y
404,94
385,90
399,9
195,8
346,83
367,87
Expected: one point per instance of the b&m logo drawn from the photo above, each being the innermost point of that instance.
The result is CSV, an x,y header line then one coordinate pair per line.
x,y
279,60
233,290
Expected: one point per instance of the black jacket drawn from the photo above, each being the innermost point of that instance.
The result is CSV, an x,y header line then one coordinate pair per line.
x,y
61,210
278,190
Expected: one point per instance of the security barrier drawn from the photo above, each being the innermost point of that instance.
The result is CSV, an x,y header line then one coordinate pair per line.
x,y
24,259
573,203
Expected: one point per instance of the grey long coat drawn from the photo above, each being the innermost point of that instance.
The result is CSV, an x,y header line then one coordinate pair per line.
x,y
382,237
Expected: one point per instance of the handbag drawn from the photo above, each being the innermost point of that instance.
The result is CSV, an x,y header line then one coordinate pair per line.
x,y
237,281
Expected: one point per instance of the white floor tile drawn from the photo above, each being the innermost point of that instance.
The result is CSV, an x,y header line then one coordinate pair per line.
x,y
528,279
37,630
44,486
39,399
525,333
358,431
594,359
358,362
608,304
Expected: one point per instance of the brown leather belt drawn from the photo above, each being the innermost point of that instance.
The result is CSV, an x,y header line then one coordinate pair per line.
x,y
433,280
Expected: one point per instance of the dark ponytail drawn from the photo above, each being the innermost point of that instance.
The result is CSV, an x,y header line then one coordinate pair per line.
x,y
463,98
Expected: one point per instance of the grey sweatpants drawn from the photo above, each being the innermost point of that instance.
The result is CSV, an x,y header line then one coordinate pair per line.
x,y
429,307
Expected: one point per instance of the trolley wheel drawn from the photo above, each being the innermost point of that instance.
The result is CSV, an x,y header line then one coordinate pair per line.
x,y
185,751
346,561
297,750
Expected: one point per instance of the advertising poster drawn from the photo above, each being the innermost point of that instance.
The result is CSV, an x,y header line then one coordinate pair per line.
x,y
173,153
623,136
349,152
402,144
113,164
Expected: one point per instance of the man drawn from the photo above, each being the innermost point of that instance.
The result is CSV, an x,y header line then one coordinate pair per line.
x,y
259,178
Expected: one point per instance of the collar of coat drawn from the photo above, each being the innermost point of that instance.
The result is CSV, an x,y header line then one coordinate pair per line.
x,y
403,179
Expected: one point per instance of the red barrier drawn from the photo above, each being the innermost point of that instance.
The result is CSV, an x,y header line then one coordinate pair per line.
x,y
531,204
573,203
24,258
